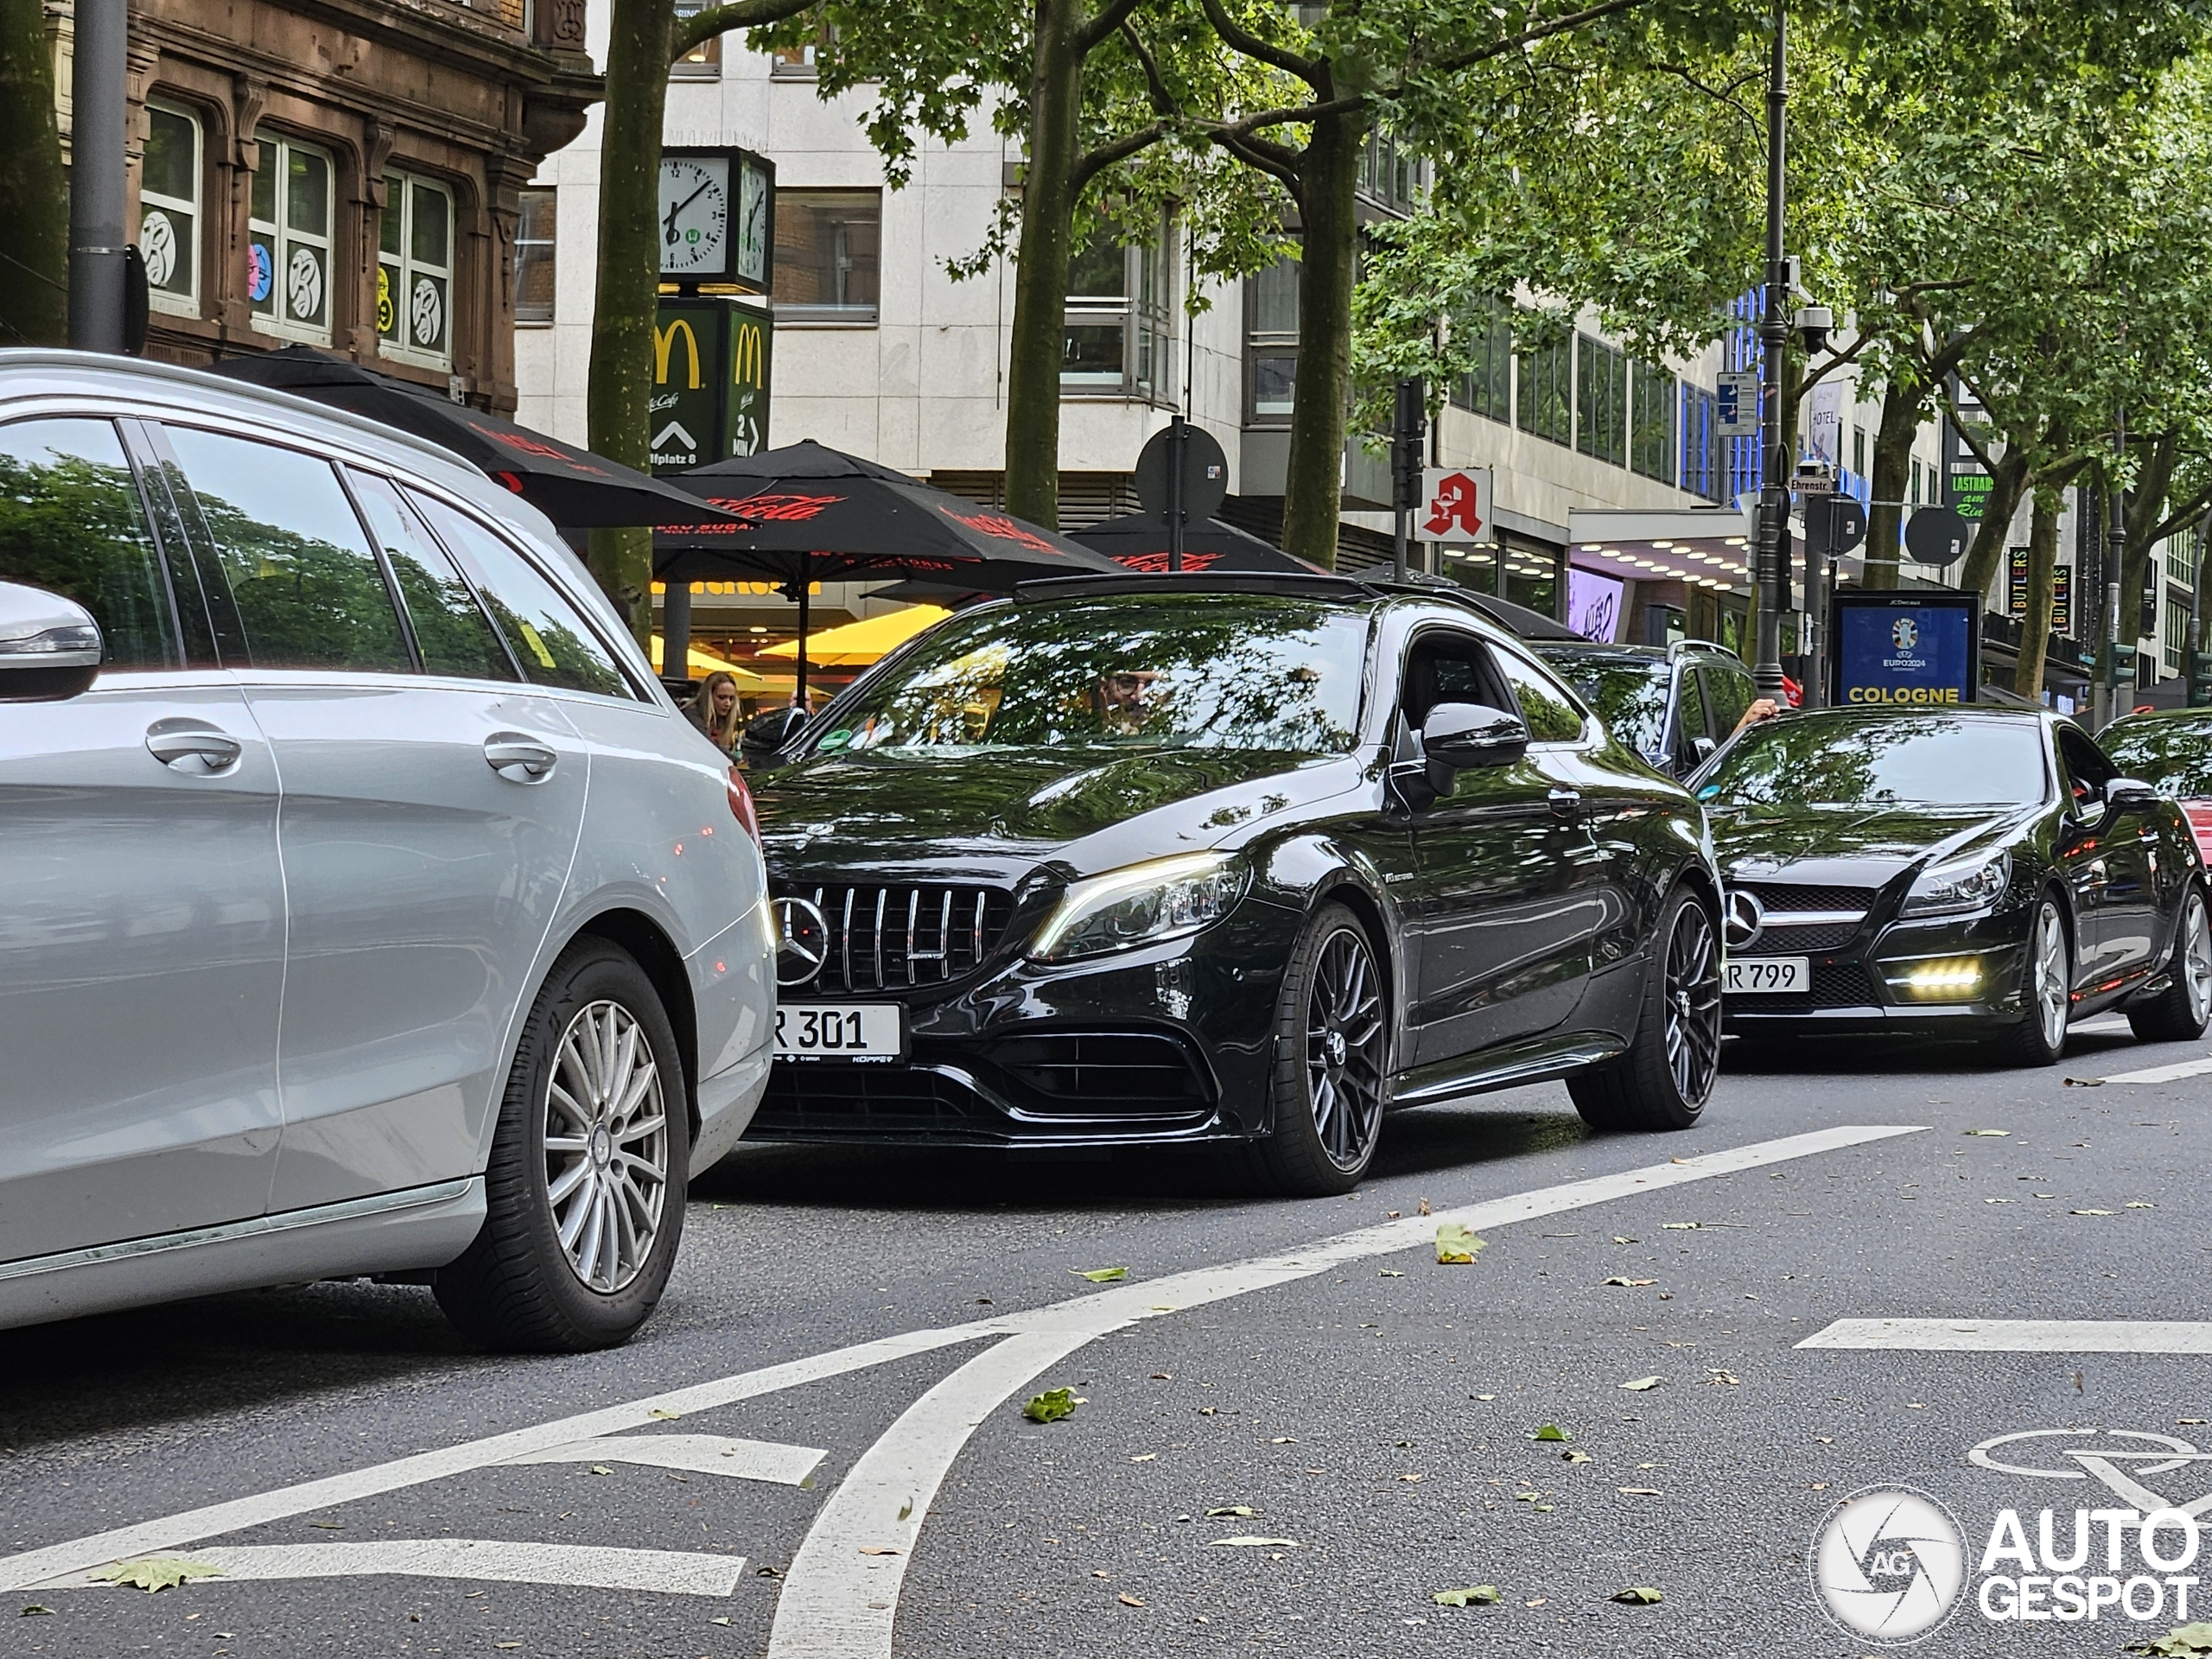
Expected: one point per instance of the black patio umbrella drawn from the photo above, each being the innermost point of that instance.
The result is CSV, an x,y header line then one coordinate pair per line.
x,y
574,487
1138,541
806,513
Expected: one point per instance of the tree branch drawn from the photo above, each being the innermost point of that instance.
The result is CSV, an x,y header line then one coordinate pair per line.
x,y
1106,23
1530,36
1272,159
1836,360
1243,39
1163,101
695,31
1120,150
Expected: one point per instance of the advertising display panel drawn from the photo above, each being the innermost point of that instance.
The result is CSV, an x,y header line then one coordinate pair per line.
x,y
1906,650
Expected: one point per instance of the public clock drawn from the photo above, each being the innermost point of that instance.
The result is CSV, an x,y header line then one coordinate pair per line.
x,y
695,217
756,185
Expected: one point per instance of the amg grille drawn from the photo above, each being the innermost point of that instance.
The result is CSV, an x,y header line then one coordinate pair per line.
x,y
1782,896
891,938
1776,941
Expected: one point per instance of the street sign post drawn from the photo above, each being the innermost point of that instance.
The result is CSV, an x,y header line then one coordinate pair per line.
x,y
1455,506
1182,479
1736,403
1936,535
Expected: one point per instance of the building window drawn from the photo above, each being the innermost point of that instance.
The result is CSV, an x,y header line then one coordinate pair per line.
x,y
1916,483
287,253
1601,401
1700,473
1486,389
1271,341
826,255
2181,560
1389,176
1858,450
2175,644
534,229
1653,398
169,210
1546,406
414,272
704,60
1118,336
795,62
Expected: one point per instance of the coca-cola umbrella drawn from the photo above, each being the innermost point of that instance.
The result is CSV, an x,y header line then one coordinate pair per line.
x,y
806,513
576,489
1138,541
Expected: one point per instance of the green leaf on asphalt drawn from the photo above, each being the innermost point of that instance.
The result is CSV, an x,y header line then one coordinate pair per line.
x,y
663,1413
33,1610
1994,1134
1642,1384
601,1469
1640,1594
1390,1273
158,1572
329,1526
1475,1595
1243,1511
906,1509
1553,1431
1050,1406
1455,1243
1101,1275
2182,1641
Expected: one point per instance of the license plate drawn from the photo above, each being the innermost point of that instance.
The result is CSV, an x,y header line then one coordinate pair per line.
x,y
841,1031
1760,976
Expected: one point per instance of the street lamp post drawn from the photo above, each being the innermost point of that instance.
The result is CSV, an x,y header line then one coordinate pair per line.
x,y
1774,339
97,256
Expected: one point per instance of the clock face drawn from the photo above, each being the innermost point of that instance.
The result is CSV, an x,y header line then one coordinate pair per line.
x,y
753,225
694,215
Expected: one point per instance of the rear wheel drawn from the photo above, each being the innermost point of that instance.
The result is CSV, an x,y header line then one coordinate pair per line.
x,y
1332,1040
1664,1079
2179,1013
2046,994
584,1195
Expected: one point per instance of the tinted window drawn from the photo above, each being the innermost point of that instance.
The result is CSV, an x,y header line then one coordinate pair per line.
x,y
1449,668
1630,696
552,642
1547,705
1901,761
2174,756
451,630
71,521
1172,671
2088,771
1692,723
308,591
1729,691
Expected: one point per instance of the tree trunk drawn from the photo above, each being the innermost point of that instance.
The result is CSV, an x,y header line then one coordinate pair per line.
x,y
34,190
1892,462
2145,508
2042,559
1313,492
1986,553
629,284
1040,273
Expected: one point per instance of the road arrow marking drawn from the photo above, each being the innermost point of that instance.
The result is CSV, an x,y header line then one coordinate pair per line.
x,y
2018,1336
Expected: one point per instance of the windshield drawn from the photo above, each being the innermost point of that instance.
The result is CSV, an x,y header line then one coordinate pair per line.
x,y
1200,670
1632,697
2173,756
1912,761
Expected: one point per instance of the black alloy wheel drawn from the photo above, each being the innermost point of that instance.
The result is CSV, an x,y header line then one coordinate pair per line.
x,y
1664,1079
1333,1043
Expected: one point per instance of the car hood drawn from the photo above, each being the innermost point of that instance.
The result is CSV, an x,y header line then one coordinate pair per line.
x,y
1089,808
1851,846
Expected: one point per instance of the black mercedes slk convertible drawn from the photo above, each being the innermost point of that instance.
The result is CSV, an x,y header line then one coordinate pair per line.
x,y
1250,860
1964,872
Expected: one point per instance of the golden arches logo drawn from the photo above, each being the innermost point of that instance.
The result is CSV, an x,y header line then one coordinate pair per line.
x,y
746,361
664,344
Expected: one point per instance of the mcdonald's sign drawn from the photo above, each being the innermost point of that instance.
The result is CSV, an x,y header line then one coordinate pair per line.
x,y
712,361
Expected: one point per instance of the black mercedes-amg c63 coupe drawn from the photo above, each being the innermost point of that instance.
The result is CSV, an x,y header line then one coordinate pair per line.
x,y
1251,859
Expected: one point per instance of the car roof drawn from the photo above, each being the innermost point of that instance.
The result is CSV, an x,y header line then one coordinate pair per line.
x,y
1482,608
2164,717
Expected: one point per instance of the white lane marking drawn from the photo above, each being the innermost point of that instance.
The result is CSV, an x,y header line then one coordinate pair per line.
x,y
706,1454
2173,1073
676,1573
2018,1336
839,1602
1084,1318
147,1537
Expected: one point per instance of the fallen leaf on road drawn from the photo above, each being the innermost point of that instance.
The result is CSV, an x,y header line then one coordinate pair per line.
x,y
1284,1440
2182,1641
664,1415
1632,1283
2084,1082
1455,1243
906,1509
876,1549
1678,1160
1723,1379
2092,1212
1129,1600
158,1572
1243,1511
1425,1209
1050,1406
1576,1456
1639,1594
1390,1273
1253,1543
1409,1478
1638,1385
1529,1497
601,1469
1639,1491
1208,1411
1618,1239
329,1526
507,1645
1475,1595
1100,1275
1540,1601
2191,1422
2001,1200
1680,1226
1394,1214
2138,1204
1482,1396
33,1610
1145,1457
1553,1431
1163,1376
1997,1135
1100,1573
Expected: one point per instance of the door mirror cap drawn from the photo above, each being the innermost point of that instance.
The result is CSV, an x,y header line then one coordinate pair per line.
x,y
2129,794
50,647
766,735
1459,736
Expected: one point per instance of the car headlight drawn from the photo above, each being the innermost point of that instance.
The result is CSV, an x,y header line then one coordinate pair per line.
x,y
1966,884
1162,898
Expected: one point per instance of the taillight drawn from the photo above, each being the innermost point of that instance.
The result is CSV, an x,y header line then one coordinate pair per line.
x,y
741,807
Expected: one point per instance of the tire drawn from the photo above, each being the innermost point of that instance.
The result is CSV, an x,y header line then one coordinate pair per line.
x,y
2178,1013
2046,994
1666,1077
1333,1043
580,1229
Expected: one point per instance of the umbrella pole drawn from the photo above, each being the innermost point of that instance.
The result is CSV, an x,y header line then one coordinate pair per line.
x,y
798,694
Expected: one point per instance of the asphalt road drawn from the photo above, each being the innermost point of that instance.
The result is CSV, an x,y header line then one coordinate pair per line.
x,y
1372,1408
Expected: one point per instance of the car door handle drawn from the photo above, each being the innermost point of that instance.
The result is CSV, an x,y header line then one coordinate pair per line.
x,y
518,759
192,746
1567,802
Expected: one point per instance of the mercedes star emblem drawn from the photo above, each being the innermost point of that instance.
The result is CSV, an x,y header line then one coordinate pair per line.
x,y
802,940
1746,916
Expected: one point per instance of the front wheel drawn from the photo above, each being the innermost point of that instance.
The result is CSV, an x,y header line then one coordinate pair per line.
x,y
1333,1043
1665,1078
2179,1013
584,1195
2046,994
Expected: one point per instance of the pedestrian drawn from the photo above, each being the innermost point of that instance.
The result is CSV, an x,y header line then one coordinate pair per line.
x,y
712,709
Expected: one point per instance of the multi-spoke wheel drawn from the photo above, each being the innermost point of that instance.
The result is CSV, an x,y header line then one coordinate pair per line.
x,y
584,1194
2179,1013
1332,1046
2046,993
1663,1079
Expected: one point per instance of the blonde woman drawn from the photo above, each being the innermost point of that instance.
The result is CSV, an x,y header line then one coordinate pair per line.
x,y
714,709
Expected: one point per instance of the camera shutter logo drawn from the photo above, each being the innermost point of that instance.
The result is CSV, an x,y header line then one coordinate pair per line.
x,y
802,940
1888,1564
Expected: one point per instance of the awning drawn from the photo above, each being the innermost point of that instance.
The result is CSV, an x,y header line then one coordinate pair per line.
x,y
705,662
855,644
1705,547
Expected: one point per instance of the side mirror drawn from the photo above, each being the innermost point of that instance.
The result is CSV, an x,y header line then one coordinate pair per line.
x,y
1459,736
50,647
766,735
1702,748
2129,794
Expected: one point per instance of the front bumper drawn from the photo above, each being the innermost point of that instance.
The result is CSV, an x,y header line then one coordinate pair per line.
x,y
1954,976
1169,1044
